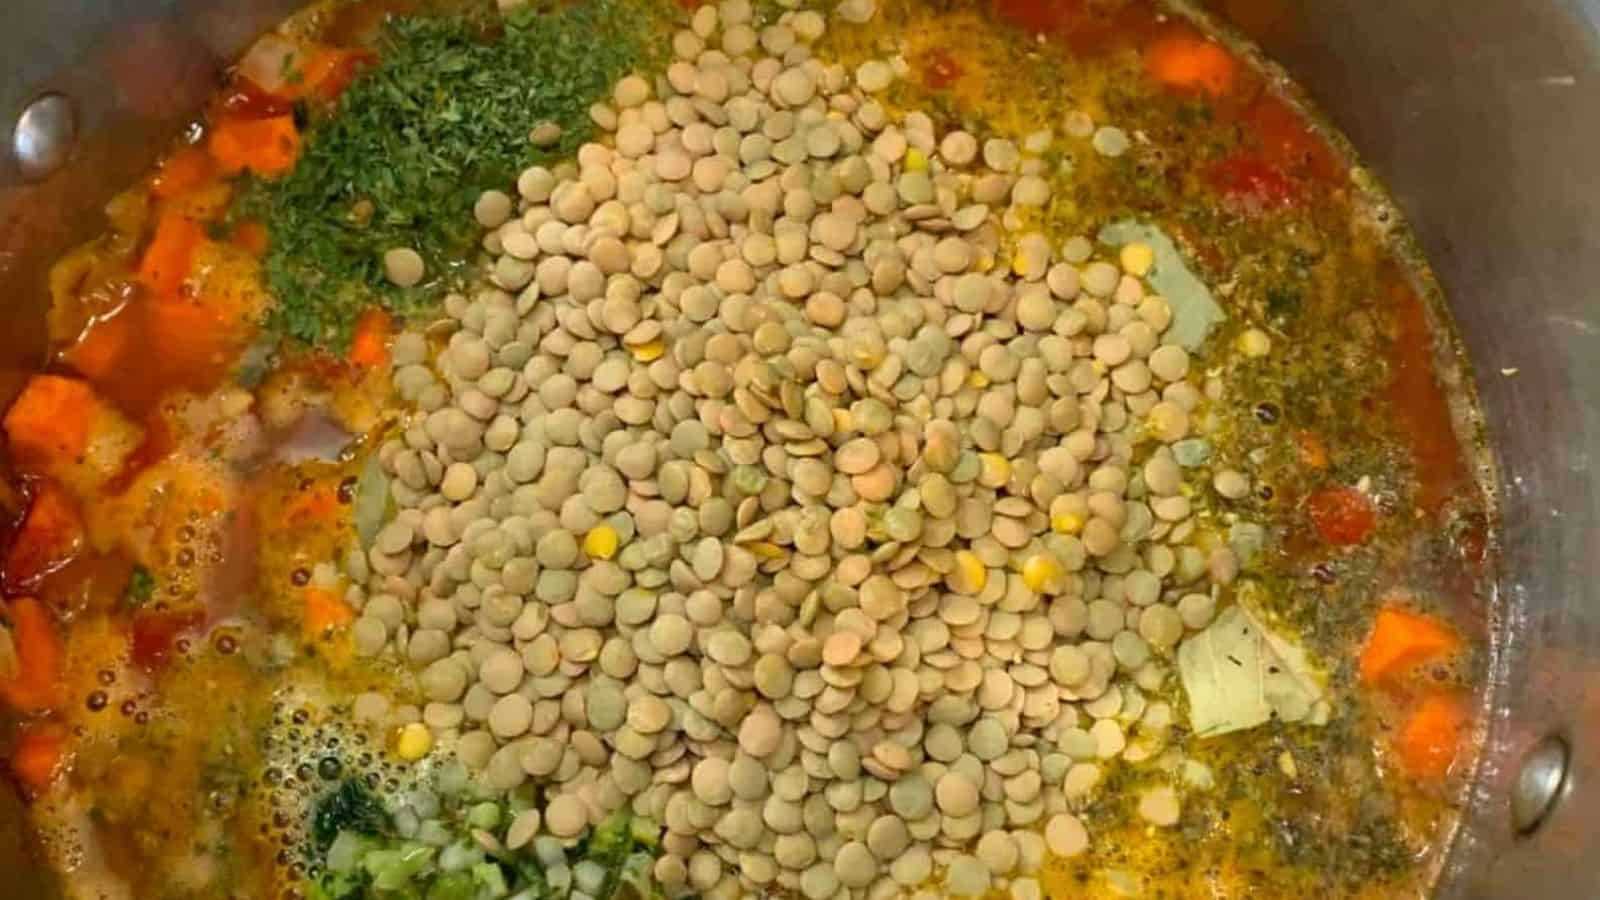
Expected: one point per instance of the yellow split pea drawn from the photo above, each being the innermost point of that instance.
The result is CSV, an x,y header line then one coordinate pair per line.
x,y
601,542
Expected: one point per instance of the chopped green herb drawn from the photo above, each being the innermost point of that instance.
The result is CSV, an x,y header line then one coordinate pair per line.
x,y
141,588
445,114
351,807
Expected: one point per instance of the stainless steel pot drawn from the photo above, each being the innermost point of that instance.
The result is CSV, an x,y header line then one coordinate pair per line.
x,y
1479,115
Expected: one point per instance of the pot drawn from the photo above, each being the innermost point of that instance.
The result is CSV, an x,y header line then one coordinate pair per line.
x,y
1480,118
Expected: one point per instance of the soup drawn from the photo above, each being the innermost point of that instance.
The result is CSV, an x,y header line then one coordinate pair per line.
x,y
634,449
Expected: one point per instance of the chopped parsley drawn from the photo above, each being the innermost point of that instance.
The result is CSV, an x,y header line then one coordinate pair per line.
x,y
444,114
141,588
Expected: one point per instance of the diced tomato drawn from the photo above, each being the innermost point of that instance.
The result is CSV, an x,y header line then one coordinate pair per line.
x,y
155,635
1287,143
1343,516
41,755
247,100
50,537
940,69
1252,183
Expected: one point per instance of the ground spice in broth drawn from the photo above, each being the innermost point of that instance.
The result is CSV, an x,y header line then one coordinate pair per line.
x,y
998,449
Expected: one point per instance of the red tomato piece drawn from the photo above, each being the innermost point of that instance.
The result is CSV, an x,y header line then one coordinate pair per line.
x,y
940,69
155,636
1252,183
50,537
1342,516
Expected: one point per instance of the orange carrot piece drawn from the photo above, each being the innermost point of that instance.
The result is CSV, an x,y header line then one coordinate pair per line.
x,y
170,255
100,349
1401,640
37,684
182,172
317,503
369,345
267,147
1191,63
1430,740
49,422
196,340
325,610
1313,450
251,237
40,756
50,537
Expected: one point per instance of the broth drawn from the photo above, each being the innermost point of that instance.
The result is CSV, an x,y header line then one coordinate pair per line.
x,y
219,676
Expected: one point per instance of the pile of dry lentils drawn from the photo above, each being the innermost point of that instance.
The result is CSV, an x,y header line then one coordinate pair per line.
x,y
785,483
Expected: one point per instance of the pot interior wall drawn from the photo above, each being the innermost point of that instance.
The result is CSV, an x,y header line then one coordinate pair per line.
x,y
1479,116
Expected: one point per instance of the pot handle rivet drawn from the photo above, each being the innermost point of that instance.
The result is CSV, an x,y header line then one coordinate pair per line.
x,y
1541,783
41,141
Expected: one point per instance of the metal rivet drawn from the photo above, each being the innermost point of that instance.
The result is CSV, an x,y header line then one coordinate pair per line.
x,y
1541,782
42,140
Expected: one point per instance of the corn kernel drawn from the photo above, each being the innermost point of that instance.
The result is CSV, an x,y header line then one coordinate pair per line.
x,y
1137,259
969,576
995,471
1255,343
649,351
413,742
916,160
601,542
1042,573
843,422
1067,523
978,380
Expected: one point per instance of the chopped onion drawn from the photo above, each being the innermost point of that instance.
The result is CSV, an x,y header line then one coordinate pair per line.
x,y
270,62
344,854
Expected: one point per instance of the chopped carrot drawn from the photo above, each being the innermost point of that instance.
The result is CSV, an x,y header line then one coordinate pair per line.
x,y
250,236
100,349
1191,63
36,686
1401,640
182,172
369,346
1343,516
1313,450
50,537
317,503
40,755
49,422
196,339
1430,740
325,610
267,147
170,255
